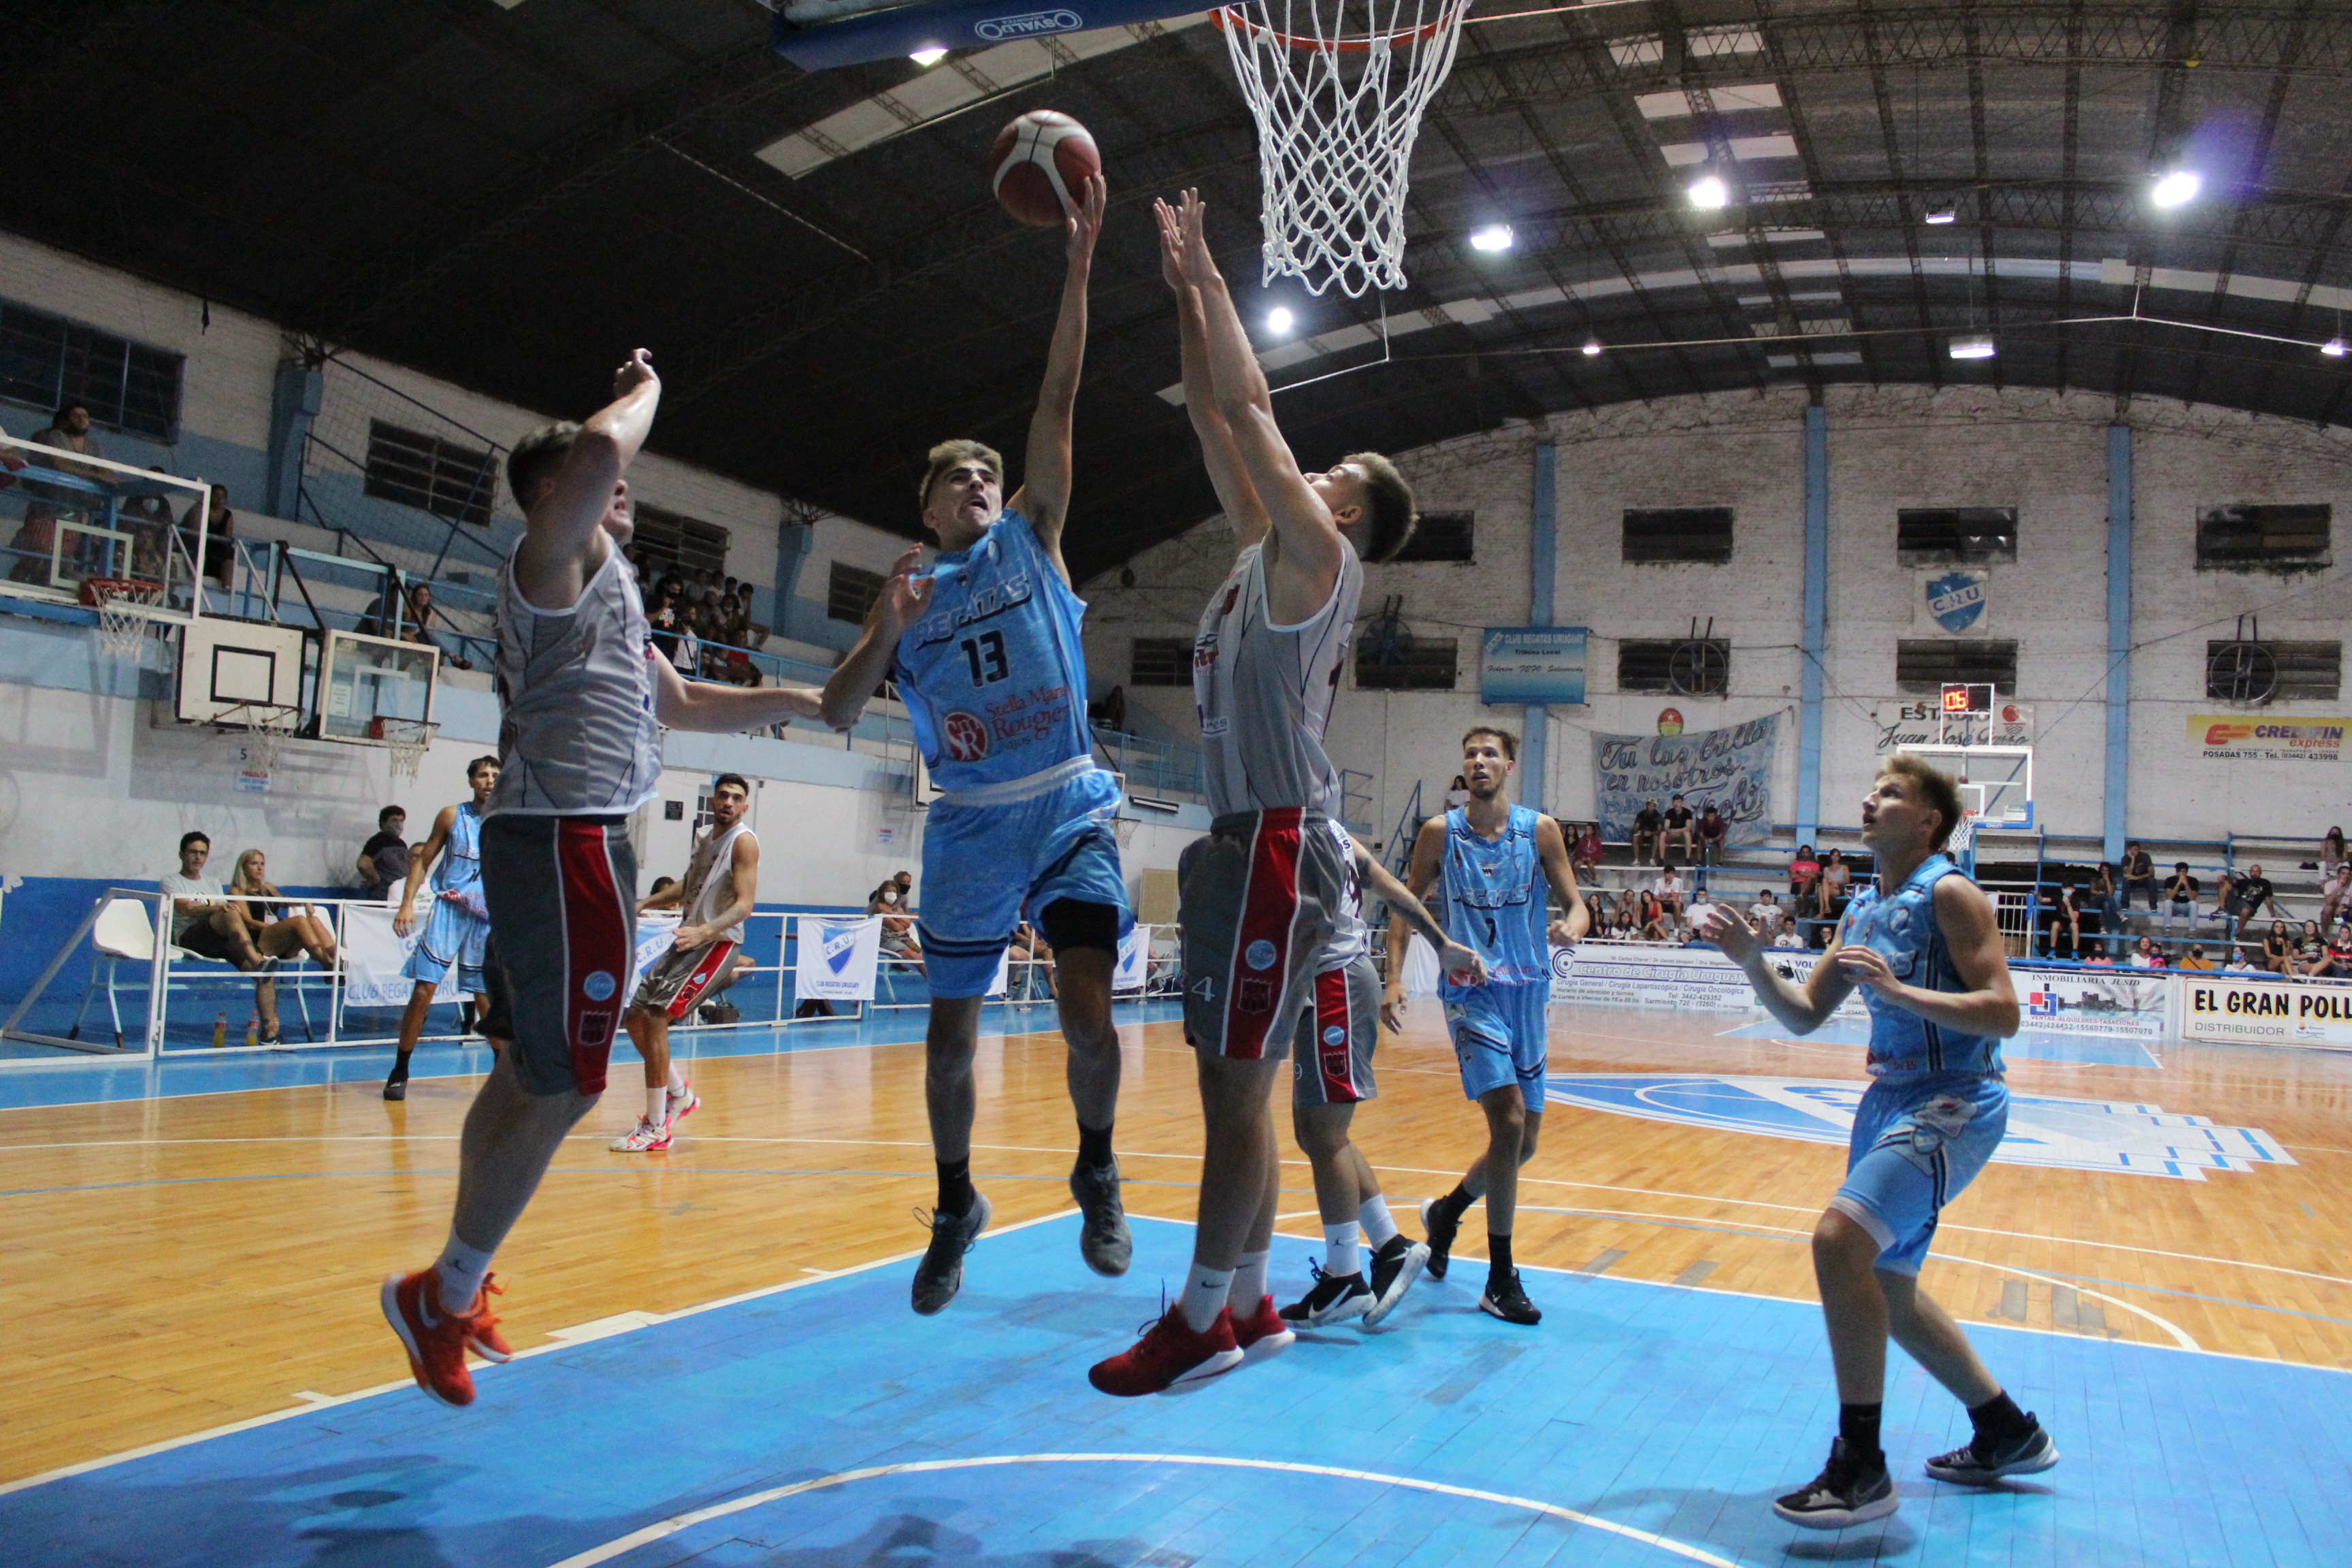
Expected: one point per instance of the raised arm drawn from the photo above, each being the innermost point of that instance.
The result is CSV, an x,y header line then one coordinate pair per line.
x,y
1802,1010
1551,847
706,705
1044,494
563,536
420,861
902,600
1307,547
1972,936
1236,494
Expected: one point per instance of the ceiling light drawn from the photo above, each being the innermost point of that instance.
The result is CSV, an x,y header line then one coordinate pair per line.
x,y
2334,348
928,56
2176,189
1943,214
1710,192
1972,348
1593,348
1278,319
1493,236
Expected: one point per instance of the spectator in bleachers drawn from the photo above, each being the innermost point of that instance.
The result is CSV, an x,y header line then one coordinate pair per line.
x,y
2278,950
67,431
661,615
1649,827
411,624
686,652
1712,831
2067,930
148,521
2310,951
202,919
1030,981
2181,890
1836,885
2101,902
383,859
1696,916
219,524
1770,919
1457,793
1804,872
2139,876
2148,955
2332,857
1585,857
889,901
2241,962
1624,923
1657,924
1678,835
2335,897
277,929
1671,891
2099,959
2196,962
2338,962
2254,892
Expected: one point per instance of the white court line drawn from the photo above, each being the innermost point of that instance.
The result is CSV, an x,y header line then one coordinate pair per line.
x,y
667,1527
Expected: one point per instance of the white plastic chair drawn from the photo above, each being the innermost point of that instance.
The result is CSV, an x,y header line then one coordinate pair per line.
x,y
125,935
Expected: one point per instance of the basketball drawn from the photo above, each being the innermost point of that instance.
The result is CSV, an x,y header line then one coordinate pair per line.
x,y
1040,166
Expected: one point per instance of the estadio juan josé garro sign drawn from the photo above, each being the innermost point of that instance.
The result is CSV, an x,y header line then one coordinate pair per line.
x,y
2268,1012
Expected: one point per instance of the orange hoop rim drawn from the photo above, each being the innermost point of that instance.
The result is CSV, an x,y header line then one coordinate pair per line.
x,y
1359,46
94,589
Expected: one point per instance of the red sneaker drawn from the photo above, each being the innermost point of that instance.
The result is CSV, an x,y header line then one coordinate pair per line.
x,y
1264,1335
435,1340
482,1336
1170,1358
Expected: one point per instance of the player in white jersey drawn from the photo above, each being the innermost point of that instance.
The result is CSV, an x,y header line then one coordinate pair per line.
x,y
1492,861
1256,893
720,886
583,695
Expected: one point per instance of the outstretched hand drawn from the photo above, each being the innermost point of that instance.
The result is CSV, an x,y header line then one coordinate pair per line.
x,y
634,372
1728,930
1084,225
1171,243
907,595
1200,269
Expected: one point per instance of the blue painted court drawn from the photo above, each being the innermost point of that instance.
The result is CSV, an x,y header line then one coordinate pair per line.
x,y
823,1424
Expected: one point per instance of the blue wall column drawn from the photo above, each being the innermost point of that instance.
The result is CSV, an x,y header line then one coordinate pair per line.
x,y
1817,622
1543,560
295,399
2119,635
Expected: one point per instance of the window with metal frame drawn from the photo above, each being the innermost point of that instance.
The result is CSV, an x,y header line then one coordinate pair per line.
x,y
1687,666
1423,664
1161,661
1929,664
850,593
1442,536
1958,535
430,473
1699,535
674,541
2272,671
46,361
2272,536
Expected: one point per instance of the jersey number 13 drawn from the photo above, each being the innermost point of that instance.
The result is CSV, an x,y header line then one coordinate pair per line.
x,y
985,654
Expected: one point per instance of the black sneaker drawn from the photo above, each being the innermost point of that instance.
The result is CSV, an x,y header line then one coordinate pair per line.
x,y
1440,1229
1848,1491
395,1088
939,1275
1334,1298
1103,1239
1509,1303
1980,1462
1395,1266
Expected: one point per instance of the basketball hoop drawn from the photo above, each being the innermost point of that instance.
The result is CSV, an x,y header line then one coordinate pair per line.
x,y
122,604
407,740
1964,837
1338,88
267,727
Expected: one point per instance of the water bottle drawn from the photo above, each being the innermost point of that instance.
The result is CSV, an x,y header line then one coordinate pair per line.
x,y
220,1031
252,1029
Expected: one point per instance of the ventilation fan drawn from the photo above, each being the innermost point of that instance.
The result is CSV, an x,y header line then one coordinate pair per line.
x,y
1386,637
2242,669
1699,666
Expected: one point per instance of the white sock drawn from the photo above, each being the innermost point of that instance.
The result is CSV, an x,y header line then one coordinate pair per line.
x,y
676,1081
461,1271
1339,1249
657,1104
1248,1288
1205,1289
1378,1228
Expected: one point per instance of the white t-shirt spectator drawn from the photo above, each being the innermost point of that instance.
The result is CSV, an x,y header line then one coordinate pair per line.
x,y
1698,912
176,887
2240,964
1769,918
1670,889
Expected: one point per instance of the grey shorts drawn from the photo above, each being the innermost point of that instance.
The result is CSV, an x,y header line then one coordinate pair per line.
x,y
562,893
1331,1056
679,979
1254,901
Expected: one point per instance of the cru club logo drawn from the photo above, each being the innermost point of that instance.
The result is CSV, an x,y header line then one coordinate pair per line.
x,y
1956,599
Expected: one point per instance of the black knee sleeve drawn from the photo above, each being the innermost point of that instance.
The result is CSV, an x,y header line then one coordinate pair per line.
x,y
1070,923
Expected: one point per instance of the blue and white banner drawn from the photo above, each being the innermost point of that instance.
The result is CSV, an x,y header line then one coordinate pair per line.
x,y
1531,664
1134,965
655,932
837,958
1729,769
374,955
1957,598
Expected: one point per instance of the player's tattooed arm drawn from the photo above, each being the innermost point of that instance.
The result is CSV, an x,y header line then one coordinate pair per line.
x,y
902,601
1551,847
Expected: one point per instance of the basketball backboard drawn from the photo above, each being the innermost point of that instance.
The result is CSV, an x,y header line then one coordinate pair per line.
x,y
365,681
227,665
1999,780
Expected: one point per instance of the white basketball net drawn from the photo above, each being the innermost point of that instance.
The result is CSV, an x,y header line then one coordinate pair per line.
x,y
407,742
1338,88
122,607
1964,837
266,729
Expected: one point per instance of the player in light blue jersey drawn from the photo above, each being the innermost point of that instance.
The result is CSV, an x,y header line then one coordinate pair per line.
x,y
1925,948
1493,862
985,649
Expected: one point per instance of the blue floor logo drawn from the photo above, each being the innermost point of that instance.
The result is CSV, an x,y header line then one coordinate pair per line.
x,y
2067,1134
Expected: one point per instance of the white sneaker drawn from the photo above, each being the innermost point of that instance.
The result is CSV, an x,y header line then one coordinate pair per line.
x,y
644,1139
682,1103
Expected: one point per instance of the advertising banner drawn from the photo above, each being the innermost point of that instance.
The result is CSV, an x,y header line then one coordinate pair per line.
x,y
1134,965
1729,769
2265,1012
837,957
2117,1004
1531,664
2249,738
372,956
1685,979
1902,725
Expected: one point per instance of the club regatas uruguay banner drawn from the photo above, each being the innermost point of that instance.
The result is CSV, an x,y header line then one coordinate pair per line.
x,y
837,958
1730,769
